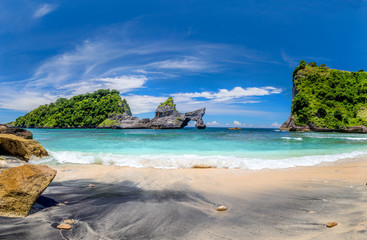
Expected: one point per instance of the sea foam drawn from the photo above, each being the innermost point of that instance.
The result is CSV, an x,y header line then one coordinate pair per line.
x,y
164,161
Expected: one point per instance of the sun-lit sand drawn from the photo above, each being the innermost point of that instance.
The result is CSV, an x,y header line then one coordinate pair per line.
x,y
132,203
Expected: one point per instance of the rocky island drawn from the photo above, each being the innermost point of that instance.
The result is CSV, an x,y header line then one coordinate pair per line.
x,y
327,100
106,109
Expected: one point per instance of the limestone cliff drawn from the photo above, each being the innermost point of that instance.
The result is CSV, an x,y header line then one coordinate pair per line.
x,y
327,100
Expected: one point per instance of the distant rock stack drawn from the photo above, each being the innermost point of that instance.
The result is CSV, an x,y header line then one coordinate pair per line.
x,y
166,117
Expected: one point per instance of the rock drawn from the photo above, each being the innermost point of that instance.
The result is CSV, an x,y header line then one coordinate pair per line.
x,y
235,128
17,146
91,185
64,226
197,116
167,117
4,129
331,224
69,221
222,208
21,186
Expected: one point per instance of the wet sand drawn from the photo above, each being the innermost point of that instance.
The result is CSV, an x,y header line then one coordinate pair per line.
x,y
130,203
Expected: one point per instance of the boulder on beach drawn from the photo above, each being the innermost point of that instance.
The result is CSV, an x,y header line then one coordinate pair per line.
x,y
21,186
18,146
7,129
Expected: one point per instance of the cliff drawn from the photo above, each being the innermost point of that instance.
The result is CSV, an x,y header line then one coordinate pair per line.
x,y
327,100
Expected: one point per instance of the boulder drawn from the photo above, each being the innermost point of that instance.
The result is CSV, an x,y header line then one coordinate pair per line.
x,y
7,129
18,146
21,186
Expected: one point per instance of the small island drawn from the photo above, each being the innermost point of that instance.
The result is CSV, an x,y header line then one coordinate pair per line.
x,y
327,100
105,109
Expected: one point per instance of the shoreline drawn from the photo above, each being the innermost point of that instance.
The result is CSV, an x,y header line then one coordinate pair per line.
x,y
149,203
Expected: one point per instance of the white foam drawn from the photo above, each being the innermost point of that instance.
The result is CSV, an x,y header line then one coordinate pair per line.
x,y
190,160
291,138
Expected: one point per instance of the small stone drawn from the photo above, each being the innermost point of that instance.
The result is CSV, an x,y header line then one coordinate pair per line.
x,y
222,208
66,202
64,226
331,224
69,221
60,204
91,185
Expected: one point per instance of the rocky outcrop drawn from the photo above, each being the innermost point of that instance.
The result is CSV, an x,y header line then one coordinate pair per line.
x,y
166,117
21,186
7,129
290,123
197,116
127,121
17,146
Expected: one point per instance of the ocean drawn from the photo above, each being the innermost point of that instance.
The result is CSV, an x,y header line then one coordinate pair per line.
x,y
253,149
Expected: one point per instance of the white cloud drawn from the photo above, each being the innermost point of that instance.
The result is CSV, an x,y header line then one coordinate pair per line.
x,y
187,63
44,9
122,83
275,125
143,103
212,124
224,94
237,123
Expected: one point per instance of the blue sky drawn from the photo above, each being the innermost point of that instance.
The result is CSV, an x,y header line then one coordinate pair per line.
x,y
233,57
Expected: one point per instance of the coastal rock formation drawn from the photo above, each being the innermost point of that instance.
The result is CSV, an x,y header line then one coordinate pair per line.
x,y
197,116
124,121
166,117
17,146
21,186
326,100
7,129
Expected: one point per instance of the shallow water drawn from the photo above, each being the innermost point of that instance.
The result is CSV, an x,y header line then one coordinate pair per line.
x,y
189,147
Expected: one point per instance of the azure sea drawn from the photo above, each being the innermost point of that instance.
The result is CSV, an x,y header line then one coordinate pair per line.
x,y
185,148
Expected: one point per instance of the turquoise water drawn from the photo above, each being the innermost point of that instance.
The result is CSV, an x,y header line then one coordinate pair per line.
x,y
185,148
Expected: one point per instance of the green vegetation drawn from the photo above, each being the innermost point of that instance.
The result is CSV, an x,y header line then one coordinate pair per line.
x,y
329,98
108,123
88,110
168,102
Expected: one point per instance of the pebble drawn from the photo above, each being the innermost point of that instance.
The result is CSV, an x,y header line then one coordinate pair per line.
x,y
69,221
331,224
64,226
91,185
222,208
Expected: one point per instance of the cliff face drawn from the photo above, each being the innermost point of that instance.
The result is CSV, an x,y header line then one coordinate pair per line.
x,y
166,117
327,100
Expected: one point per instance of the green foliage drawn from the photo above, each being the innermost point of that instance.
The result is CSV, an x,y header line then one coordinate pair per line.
x,y
168,102
301,66
329,98
88,110
108,123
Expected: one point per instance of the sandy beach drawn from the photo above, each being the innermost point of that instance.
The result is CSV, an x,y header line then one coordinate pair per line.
x,y
133,203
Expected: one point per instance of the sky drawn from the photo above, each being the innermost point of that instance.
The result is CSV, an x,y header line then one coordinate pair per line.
x,y
235,58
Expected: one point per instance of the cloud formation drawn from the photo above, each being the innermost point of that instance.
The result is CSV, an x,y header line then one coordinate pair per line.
x,y
44,9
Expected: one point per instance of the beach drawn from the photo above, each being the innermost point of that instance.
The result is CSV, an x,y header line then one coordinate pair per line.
x,y
148,203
